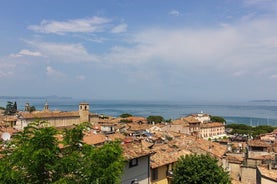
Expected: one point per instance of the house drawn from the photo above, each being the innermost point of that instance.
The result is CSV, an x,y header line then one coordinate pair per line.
x,y
162,162
203,118
212,130
266,175
194,124
137,168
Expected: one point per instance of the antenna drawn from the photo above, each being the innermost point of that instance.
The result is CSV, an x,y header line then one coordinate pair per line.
x,y
6,136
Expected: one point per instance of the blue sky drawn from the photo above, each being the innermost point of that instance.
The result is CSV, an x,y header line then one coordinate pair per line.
x,y
139,49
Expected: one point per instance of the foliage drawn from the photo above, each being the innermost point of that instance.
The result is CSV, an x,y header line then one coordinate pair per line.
x,y
218,119
125,121
34,156
32,108
126,115
155,119
249,130
168,120
11,108
199,169
2,108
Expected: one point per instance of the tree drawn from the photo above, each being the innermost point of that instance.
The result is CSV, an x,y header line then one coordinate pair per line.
x,y
35,156
199,169
126,115
11,108
155,119
218,119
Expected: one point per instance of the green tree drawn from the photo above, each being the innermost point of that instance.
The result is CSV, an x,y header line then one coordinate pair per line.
x,y
35,156
126,115
218,119
155,119
11,108
199,169
31,156
32,108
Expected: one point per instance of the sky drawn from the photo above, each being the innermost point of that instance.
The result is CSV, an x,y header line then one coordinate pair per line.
x,y
216,50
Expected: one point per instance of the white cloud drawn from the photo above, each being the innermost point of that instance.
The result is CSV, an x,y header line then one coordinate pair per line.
x,y
247,46
94,24
54,73
25,52
274,76
64,52
80,77
6,69
120,28
175,13
238,73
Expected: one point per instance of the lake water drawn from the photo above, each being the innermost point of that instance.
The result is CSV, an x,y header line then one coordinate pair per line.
x,y
250,113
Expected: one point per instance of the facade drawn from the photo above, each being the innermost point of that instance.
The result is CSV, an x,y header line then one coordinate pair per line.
x,y
203,118
57,118
137,168
212,130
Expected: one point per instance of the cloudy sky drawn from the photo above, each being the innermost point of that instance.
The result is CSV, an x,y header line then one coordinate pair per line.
x,y
140,49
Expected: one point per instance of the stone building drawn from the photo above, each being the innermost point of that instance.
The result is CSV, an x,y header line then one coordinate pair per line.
x,y
57,118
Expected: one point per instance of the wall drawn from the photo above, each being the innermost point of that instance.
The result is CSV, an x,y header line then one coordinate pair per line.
x,y
140,172
248,175
162,179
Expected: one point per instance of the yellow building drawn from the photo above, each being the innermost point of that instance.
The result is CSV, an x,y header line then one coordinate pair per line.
x,y
162,163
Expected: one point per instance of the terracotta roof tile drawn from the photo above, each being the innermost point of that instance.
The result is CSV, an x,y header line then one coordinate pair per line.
x,y
164,154
135,150
94,139
268,173
258,143
213,124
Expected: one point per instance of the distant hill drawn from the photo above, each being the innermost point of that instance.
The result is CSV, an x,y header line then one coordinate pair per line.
x,y
263,100
34,97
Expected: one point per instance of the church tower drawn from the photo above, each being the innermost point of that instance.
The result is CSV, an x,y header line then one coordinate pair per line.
x,y
46,106
84,112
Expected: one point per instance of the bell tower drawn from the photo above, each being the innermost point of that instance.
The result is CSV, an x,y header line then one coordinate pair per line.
x,y
84,112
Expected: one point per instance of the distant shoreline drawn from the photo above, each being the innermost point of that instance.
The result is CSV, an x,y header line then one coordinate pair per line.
x,y
263,101
34,97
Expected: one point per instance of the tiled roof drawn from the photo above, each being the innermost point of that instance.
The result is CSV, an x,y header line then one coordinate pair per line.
x,y
210,125
214,148
164,154
48,114
136,126
190,119
258,143
9,118
93,139
135,150
268,173
235,159
179,122
116,136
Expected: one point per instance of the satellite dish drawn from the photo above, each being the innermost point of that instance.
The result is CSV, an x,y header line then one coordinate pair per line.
x,y
6,136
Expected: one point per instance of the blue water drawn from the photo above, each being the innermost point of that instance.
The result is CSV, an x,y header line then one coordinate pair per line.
x,y
250,113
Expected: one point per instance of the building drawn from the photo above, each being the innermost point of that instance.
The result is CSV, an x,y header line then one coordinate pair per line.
x,y
266,175
57,118
212,130
162,163
137,168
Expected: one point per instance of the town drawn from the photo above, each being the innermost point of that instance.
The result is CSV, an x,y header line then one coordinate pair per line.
x,y
151,148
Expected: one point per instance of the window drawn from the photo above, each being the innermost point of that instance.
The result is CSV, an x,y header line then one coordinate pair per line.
x,y
154,174
133,162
